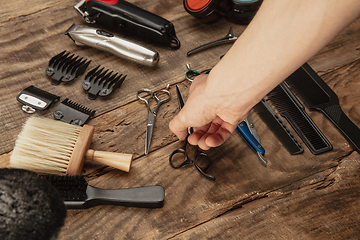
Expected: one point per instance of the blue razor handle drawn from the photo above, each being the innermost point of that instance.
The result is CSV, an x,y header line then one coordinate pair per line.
x,y
249,138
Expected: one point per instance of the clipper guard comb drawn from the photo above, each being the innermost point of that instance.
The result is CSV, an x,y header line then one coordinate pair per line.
x,y
101,82
74,113
65,67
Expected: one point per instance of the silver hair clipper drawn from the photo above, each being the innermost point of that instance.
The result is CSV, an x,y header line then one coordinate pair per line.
x,y
123,48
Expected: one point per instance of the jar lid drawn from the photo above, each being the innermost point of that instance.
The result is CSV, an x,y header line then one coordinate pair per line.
x,y
207,10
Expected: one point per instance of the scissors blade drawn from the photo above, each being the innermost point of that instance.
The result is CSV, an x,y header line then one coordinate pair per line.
x,y
251,127
181,104
180,97
149,131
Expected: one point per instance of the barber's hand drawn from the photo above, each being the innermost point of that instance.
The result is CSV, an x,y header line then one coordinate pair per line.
x,y
212,115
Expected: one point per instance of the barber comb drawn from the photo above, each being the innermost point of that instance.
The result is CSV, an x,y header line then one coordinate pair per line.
x,y
74,113
65,67
101,82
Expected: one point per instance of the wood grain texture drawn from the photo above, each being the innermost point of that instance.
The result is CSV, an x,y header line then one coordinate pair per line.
x,y
294,197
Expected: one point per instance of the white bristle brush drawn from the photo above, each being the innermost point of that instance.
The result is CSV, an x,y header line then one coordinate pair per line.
x,y
54,147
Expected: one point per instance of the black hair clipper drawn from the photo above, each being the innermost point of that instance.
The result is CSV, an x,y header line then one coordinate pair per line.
x,y
122,15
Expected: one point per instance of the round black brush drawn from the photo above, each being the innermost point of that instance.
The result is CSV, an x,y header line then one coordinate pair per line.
x,y
78,194
30,207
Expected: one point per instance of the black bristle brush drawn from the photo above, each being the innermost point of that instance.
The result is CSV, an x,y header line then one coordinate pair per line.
x,y
30,207
317,95
77,194
291,109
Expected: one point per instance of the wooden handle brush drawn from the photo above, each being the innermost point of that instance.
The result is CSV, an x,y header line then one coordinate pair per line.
x,y
54,147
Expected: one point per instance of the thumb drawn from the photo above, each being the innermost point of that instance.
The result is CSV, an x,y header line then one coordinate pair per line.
x,y
178,126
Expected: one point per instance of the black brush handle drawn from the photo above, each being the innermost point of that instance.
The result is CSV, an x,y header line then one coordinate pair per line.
x,y
144,197
347,128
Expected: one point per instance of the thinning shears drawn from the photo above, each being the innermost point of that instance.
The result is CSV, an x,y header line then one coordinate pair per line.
x,y
200,159
152,114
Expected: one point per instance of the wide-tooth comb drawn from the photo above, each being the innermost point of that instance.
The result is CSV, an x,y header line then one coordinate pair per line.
x,y
73,113
77,194
291,109
317,95
277,126
65,67
101,82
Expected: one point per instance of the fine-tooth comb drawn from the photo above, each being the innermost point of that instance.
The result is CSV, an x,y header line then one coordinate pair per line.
x,y
73,113
77,194
317,95
291,109
101,82
277,126
65,67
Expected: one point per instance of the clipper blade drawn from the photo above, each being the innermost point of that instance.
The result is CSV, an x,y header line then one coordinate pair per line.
x,y
65,67
101,82
73,113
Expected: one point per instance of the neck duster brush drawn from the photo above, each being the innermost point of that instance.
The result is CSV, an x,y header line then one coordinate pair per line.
x,y
48,146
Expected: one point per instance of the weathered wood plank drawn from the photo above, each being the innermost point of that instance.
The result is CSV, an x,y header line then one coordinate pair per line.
x,y
324,205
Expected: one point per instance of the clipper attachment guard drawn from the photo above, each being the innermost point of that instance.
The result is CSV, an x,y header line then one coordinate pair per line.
x,y
74,113
34,99
101,82
65,67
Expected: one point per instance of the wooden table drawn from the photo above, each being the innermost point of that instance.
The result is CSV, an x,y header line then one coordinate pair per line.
x,y
295,197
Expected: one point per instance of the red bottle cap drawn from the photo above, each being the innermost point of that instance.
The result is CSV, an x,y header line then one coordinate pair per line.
x,y
207,10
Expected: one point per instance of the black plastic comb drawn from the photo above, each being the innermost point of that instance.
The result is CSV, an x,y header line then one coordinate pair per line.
x,y
65,67
277,126
291,109
73,113
317,95
101,82
77,194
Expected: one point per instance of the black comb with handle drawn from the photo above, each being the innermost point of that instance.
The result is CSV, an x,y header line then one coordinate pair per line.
x,y
291,109
77,194
277,126
317,95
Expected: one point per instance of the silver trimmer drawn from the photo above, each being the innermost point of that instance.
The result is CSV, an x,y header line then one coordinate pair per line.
x,y
123,48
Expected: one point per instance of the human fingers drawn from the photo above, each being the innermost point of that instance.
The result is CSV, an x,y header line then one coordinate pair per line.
x,y
197,111
223,133
194,138
214,127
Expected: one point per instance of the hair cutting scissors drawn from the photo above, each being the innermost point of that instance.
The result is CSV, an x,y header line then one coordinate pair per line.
x,y
152,114
200,160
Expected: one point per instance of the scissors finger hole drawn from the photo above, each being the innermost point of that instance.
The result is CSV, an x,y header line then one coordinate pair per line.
x,y
144,94
178,158
162,95
202,161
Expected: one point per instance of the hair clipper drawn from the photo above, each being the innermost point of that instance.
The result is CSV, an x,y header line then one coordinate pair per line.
x,y
123,48
122,15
